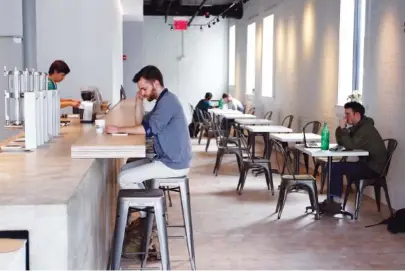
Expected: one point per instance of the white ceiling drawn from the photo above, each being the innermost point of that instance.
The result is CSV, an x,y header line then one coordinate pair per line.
x,y
133,10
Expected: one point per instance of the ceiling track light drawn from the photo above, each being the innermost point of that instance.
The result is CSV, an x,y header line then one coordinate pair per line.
x,y
201,28
171,28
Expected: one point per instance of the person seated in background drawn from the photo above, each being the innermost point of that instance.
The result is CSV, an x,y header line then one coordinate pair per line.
x,y
232,103
203,105
57,72
361,135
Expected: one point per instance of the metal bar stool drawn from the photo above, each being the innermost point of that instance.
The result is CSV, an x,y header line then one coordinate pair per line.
x,y
181,185
139,199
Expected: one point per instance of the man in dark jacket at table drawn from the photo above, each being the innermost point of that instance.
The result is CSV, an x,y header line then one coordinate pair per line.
x,y
361,135
203,105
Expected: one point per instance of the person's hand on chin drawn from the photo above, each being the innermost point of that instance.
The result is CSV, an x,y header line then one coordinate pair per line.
x,y
139,97
343,123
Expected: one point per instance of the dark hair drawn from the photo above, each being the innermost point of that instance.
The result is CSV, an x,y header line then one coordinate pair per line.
x,y
208,95
356,107
149,73
59,66
225,95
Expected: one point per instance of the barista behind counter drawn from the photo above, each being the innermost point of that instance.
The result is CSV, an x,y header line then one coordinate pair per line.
x,y
57,72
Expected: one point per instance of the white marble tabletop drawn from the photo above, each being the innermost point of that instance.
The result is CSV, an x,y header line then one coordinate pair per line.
x,y
253,121
237,116
220,111
267,129
296,137
315,152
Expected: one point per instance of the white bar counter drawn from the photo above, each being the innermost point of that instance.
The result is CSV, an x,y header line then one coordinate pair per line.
x,y
67,205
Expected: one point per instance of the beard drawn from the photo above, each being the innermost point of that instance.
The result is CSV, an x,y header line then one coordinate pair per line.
x,y
153,96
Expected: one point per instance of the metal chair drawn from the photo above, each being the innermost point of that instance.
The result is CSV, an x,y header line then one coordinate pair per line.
x,y
249,162
378,183
140,199
252,111
224,148
293,182
287,121
268,115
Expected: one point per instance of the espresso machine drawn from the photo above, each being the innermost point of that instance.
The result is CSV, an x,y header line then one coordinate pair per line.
x,y
30,106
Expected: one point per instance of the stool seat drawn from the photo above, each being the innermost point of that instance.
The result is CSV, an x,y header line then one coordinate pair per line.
x,y
140,193
12,254
172,178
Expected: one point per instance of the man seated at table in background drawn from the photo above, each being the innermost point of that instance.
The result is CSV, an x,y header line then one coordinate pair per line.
x,y
361,135
232,103
203,105
168,126
57,72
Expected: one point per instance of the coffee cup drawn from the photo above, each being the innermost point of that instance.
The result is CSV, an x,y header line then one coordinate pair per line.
x,y
100,126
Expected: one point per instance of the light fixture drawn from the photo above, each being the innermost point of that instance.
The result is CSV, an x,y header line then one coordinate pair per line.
x,y
213,22
201,28
209,26
218,19
171,28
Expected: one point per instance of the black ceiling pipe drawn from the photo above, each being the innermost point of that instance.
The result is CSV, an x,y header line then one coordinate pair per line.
x,y
177,10
196,12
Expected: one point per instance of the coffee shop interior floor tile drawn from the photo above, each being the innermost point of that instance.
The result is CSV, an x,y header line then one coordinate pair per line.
x,y
242,232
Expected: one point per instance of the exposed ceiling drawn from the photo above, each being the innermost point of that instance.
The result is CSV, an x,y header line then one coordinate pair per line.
x,y
226,8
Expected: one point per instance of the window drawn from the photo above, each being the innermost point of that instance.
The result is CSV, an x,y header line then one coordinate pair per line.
x,y
231,63
351,47
267,56
250,58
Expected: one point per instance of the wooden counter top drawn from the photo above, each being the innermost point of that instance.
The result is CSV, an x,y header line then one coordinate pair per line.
x,y
93,145
47,175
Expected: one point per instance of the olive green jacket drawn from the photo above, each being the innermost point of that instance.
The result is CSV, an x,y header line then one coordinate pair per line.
x,y
365,136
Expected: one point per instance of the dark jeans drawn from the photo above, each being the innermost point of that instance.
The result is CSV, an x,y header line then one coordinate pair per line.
x,y
226,125
353,171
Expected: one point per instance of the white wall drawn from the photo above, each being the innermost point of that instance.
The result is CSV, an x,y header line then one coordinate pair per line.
x,y
203,68
10,52
11,17
88,36
306,67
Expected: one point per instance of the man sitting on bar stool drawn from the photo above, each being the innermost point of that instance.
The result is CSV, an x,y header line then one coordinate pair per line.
x,y
166,123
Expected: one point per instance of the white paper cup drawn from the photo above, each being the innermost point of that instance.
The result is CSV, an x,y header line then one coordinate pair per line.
x,y
100,126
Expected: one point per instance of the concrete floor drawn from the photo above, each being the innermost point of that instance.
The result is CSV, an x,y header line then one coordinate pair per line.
x,y
243,233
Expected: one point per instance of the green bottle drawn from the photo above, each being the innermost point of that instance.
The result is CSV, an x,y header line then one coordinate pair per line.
x,y
325,137
220,104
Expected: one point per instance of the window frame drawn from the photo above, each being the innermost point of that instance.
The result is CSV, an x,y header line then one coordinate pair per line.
x,y
268,94
356,70
232,56
248,55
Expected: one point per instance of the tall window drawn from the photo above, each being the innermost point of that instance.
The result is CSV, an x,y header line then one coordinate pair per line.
x,y
231,59
351,47
267,56
250,58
